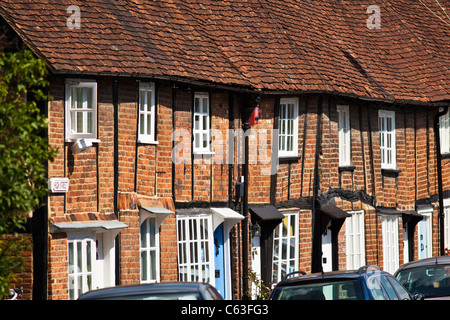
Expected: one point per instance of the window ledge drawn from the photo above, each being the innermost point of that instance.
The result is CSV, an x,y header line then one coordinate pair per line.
x,y
204,153
147,141
445,155
289,158
390,172
92,140
346,168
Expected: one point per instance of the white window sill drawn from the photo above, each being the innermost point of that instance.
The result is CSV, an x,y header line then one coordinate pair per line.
x,y
204,153
92,140
144,141
287,155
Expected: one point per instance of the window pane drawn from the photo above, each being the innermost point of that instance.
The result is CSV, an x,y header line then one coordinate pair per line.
x,y
89,282
89,97
142,100
149,124
79,257
152,235
197,140
71,288
197,105
149,100
205,105
282,143
80,285
205,123
142,124
196,122
153,265
205,140
144,266
90,123
144,234
289,146
79,98
71,258
88,256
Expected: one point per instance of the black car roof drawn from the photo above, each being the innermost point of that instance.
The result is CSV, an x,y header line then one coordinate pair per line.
x,y
319,276
131,290
331,275
425,262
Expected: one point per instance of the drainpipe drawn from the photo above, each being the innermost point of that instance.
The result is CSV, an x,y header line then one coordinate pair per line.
x,y
439,173
116,173
245,244
39,229
316,254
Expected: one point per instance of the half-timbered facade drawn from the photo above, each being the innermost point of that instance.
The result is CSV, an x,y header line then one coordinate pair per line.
x,y
204,139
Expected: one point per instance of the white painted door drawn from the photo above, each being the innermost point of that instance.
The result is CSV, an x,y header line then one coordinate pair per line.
x,y
327,253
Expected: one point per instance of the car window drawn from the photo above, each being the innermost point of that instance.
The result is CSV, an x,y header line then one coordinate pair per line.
x,y
431,281
388,288
335,290
401,291
375,288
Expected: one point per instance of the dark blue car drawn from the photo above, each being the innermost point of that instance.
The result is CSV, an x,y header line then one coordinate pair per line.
x,y
367,283
156,291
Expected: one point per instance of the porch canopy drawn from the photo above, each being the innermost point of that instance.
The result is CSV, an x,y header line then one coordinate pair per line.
x,y
97,226
332,214
408,216
160,213
223,215
266,214
267,217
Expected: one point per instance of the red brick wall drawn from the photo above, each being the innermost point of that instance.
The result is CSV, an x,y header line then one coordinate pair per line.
x,y
91,173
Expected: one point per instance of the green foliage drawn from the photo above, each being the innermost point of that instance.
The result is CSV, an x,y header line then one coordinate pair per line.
x,y
24,152
262,292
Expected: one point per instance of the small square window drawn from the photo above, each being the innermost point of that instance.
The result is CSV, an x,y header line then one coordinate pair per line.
x,y
201,130
288,128
81,109
147,113
344,136
386,127
444,133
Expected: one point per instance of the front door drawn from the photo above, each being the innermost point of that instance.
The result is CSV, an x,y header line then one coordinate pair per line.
x,y
327,252
219,260
423,238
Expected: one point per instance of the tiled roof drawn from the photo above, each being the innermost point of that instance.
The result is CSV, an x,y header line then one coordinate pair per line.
x,y
269,45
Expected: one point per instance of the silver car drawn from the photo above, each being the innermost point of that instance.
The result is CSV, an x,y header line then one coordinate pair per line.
x,y
430,277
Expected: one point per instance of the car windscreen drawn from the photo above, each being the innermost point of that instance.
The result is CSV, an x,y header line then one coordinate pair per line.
x,y
347,289
431,281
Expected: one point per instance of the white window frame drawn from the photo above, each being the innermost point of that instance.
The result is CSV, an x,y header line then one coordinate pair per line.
x,y
288,128
387,139
81,277
103,259
150,270
147,113
201,123
196,249
389,227
282,253
344,135
355,240
444,133
71,112
447,223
